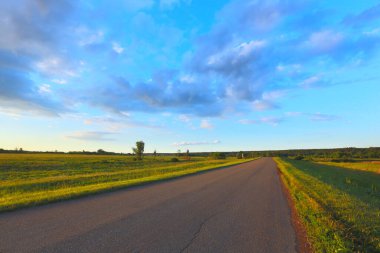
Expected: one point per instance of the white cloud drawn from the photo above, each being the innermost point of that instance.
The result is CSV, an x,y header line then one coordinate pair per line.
x,y
271,120
324,41
246,48
249,121
117,48
262,105
184,118
373,32
274,121
196,143
59,81
290,69
91,136
44,89
268,99
116,123
310,82
205,124
187,79
313,116
55,66
322,117
89,37
273,95
235,54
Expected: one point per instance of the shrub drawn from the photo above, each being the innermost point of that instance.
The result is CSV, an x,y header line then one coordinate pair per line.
x,y
298,157
218,155
174,160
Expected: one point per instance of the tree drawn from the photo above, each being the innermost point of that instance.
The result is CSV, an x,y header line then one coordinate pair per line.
x,y
101,151
139,150
187,155
155,154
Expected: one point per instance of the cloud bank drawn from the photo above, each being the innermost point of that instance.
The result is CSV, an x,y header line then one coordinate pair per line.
x,y
254,48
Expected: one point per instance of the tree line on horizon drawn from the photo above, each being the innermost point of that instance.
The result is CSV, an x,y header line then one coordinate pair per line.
x,y
138,151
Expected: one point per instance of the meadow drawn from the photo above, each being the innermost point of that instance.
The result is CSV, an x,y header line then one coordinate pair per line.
x,y
372,166
34,179
338,203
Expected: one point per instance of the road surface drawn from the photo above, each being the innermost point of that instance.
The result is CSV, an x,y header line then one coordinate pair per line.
x,y
237,209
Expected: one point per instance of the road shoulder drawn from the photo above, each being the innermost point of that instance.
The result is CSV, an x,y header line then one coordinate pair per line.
x,y
303,245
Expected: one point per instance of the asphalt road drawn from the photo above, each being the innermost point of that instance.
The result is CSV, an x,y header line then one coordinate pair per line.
x,y
238,209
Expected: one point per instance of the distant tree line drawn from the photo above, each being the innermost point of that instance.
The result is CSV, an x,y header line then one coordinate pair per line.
x,y
337,153
332,154
138,151
217,155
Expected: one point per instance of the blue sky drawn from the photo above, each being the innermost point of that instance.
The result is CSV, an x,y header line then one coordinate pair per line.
x,y
189,74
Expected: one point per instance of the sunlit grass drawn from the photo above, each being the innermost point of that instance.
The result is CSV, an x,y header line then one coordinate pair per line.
x,y
32,179
339,207
365,165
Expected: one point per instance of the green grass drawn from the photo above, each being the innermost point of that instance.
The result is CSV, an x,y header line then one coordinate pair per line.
x,y
33,179
373,166
339,207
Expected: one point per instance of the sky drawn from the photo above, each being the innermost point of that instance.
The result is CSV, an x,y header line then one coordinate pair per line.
x,y
211,75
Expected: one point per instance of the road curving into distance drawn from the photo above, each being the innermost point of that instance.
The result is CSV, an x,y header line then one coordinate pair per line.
x,y
237,209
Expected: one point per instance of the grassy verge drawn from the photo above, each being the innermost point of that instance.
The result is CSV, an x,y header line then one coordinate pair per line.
x,y
339,207
34,179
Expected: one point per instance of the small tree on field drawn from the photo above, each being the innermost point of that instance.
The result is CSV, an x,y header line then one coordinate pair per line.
x,y
139,150
155,154
187,154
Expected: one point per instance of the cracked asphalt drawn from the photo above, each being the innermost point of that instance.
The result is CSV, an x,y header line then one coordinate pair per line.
x,y
237,209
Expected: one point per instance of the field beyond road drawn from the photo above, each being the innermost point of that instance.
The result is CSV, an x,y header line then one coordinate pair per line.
x,y
33,179
237,209
339,203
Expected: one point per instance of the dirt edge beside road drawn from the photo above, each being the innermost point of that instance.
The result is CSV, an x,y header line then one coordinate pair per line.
x,y
303,244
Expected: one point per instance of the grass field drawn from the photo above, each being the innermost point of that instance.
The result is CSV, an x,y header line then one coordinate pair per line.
x,y
372,166
339,207
32,179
